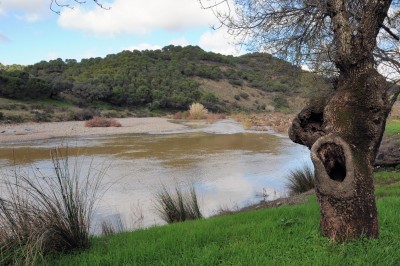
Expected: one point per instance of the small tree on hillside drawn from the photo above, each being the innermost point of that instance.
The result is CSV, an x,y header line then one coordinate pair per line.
x,y
349,41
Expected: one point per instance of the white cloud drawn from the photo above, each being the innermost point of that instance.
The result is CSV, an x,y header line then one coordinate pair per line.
x,y
29,10
219,41
90,53
143,46
182,41
29,17
137,16
51,55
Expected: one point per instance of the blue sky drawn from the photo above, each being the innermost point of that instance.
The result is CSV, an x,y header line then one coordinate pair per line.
x,y
31,32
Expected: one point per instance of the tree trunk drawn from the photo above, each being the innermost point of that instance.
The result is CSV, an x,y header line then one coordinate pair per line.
x,y
344,137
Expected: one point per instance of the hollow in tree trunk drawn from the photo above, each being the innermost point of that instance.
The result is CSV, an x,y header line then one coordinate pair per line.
x,y
344,134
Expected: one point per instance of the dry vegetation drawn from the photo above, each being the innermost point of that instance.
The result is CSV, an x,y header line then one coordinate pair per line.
x,y
197,111
177,206
42,214
102,122
265,121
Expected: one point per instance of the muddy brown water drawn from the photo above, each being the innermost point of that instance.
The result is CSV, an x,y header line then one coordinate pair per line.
x,y
229,166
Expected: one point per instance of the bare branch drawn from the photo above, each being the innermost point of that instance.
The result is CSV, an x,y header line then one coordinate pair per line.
x,y
56,6
308,32
390,32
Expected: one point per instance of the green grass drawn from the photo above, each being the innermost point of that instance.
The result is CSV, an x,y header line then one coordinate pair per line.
x,y
385,177
103,105
392,127
44,102
52,102
287,235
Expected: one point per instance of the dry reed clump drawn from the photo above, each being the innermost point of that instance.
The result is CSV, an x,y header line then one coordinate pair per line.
x,y
112,227
44,214
300,180
102,122
180,115
179,206
197,111
211,118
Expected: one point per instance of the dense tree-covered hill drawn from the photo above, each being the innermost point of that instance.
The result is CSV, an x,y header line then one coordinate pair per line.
x,y
170,78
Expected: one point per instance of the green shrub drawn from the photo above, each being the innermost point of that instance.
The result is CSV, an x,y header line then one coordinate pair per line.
x,y
177,207
83,114
15,118
209,97
244,95
41,116
300,180
280,102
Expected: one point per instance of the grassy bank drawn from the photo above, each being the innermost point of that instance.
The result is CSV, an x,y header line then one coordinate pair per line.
x,y
288,235
49,110
393,128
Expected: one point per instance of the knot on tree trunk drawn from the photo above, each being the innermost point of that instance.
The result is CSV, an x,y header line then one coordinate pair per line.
x,y
334,169
308,126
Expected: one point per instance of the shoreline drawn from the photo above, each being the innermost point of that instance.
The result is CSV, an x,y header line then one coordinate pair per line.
x,y
30,131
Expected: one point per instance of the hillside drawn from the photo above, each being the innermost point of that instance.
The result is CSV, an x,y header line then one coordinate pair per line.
x,y
168,79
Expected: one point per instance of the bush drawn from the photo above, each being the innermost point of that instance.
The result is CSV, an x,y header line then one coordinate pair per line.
x,y
180,115
280,102
41,116
300,180
102,122
83,114
177,207
244,95
45,214
197,111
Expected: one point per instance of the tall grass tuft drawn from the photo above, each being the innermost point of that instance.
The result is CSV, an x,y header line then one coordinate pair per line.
x,y
179,206
113,226
300,180
44,214
197,111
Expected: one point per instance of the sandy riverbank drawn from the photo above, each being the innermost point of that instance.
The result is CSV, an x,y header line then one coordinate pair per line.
x,y
10,133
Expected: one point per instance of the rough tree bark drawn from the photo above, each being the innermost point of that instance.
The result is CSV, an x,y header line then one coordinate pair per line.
x,y
344,138
344,133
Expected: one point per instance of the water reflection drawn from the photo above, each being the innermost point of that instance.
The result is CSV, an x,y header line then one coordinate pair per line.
x,y
227,164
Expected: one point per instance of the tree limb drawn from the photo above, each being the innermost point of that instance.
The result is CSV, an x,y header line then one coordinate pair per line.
x,y
54,3
391,33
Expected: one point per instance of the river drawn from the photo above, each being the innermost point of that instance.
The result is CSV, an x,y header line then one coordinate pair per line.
x,y
228,165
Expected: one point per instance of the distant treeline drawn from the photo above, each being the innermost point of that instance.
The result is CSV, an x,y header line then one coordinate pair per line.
x,y
166,78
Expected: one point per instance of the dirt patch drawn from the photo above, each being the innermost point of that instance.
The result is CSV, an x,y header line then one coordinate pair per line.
x,y
292,200
36,131
389,153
